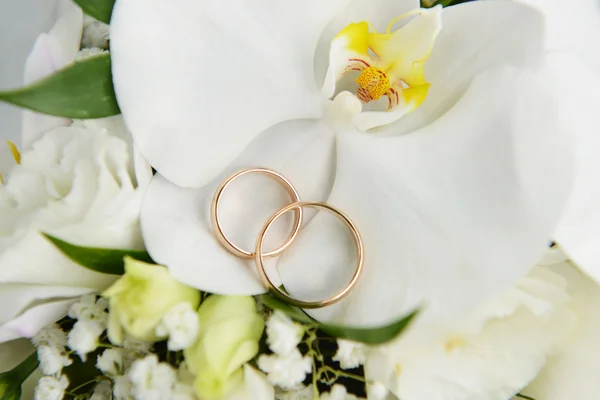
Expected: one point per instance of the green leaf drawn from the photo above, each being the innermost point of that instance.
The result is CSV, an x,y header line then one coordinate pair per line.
x,y
11,381
81,90
99,9
377,335
106,261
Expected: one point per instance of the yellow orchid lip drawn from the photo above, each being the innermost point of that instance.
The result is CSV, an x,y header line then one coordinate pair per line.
x,y
392,63
16,156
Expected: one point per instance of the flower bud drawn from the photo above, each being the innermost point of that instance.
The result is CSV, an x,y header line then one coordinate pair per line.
x,y
230,328
141,297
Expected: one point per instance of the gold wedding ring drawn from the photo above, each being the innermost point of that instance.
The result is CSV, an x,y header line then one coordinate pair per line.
x,y
296,207
259,256
214,212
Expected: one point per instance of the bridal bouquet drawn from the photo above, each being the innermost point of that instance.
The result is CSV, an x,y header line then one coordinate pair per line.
x,y
285,199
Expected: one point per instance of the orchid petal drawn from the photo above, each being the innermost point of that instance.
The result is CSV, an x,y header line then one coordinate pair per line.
x,y
252,60
571,372
176,222
476,37
51,52
438,208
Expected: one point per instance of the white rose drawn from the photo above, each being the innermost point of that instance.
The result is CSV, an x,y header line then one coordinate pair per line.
x,y
76,183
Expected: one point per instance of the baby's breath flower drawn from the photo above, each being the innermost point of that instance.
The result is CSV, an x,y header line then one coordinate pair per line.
x,y
52,335
181,325
151,380
121,388
111,362
304,393
287,371
377,391
283,334
102,391
83,338
51,388
338,392
52,359
350,354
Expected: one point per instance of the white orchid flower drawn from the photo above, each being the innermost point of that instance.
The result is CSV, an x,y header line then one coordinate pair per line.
x,y
462,156
574,59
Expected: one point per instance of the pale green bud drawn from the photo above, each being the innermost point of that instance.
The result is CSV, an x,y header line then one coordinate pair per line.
x,y
141,297
230,328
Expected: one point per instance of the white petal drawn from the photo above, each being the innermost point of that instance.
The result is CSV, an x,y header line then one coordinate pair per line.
x,y
22,26
378,12
227,70
30,322
437,208
474,38
34,260
255,387
51,52
572,373
176,222
15,298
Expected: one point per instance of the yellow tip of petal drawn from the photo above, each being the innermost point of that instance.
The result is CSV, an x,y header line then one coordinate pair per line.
x,y
357,37
15,152
415,96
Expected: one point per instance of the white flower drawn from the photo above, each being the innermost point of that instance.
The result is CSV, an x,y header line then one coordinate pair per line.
x,y
283,334
304,393
350,354
181,325
52,336
111,362
136,346
287,371
150,379
182,392
52,359
95,33
102,391
89,308
377,391
76,183
338,392
122,388
84,337
438,191
491,353
50,388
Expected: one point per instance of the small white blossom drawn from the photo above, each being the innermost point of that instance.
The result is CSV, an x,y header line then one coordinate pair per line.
x,y
52,360
338,392
181,325
121,388
90,309
350,354
95,33
111,362
51,388
83,338
305,393
283,334
151,380
377,391
52,336
287,371
102,391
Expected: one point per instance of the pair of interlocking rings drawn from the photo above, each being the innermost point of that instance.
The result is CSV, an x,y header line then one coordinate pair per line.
x,y
259,255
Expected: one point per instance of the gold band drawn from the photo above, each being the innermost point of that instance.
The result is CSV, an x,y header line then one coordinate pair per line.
x,y
214,213
259,256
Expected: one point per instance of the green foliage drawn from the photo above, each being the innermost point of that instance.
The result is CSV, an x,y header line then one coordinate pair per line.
x,y
81,90
106,261
371,336
11,381
99,9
